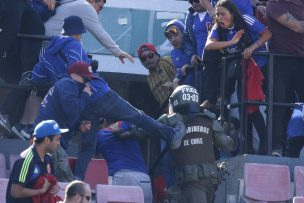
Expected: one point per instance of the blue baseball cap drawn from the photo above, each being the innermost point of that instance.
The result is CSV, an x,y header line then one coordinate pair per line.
x,y
73,25
47,128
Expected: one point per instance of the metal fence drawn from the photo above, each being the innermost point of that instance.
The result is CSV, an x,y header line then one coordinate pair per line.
x,y
243,102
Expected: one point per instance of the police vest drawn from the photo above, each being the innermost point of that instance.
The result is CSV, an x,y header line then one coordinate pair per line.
x,y
197,144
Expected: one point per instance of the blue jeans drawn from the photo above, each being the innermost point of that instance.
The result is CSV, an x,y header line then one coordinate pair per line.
x,y
112,106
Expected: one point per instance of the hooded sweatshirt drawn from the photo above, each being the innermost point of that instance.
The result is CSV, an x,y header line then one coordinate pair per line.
x,y
62,52
64,103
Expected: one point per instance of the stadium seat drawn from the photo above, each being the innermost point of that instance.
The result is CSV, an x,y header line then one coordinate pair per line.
x,y
298,200
72,162
117,193
61,187
3,186
97,171
299,181
2,166
266,183
12,159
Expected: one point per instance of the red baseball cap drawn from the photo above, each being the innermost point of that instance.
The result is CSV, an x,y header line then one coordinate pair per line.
x,y
144,47
82,68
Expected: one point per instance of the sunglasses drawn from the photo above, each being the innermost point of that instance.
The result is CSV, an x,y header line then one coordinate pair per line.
x,y
88,198
144,58
172,31
193,1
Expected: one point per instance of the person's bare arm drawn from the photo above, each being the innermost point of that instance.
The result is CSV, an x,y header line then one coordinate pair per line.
x,y
264,36
214,44
210,9
288,20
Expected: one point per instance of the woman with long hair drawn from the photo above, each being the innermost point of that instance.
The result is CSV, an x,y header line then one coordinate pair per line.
x,y
236,34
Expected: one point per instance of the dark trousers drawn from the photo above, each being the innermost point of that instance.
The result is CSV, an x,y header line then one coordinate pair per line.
x,y
202,191
257,120
212,74
112,106
294,146
288,80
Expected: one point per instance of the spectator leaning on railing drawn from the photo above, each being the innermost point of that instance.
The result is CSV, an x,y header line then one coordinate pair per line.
x,y
183,55
286,22
237,34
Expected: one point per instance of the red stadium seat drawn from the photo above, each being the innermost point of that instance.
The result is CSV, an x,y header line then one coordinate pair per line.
x,y
97,171
117,193
3,186
299,180
266,182
72,162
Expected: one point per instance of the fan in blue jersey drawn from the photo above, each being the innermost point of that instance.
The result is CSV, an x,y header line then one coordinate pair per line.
x,y
295,133
236,34
224,30
124,157
244,6
182,52
197,23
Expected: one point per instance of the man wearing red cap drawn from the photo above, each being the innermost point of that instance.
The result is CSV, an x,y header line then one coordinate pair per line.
x,y
69,97
161,73
64,103
106,103
63,51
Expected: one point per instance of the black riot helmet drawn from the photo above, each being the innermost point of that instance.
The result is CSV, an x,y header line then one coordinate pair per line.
x,y
185,99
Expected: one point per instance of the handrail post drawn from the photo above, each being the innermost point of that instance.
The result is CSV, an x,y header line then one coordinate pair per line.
x,y
269,120
243,113
223,81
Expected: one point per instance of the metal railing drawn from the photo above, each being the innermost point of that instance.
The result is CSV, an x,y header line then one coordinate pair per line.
x,y
243,102
25,36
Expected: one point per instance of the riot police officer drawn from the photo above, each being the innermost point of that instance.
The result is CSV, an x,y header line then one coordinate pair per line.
x,y
196,172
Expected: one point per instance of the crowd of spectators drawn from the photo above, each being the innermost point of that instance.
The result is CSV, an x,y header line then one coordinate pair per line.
x,y
77,98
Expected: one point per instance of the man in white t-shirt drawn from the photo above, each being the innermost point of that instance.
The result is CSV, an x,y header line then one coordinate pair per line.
x,y
88,10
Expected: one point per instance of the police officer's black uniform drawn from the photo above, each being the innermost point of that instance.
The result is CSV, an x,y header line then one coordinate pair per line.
x,y
26,172
196,172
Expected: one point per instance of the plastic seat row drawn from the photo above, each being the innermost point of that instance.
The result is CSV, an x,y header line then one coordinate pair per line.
x,y
97,172
271,183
